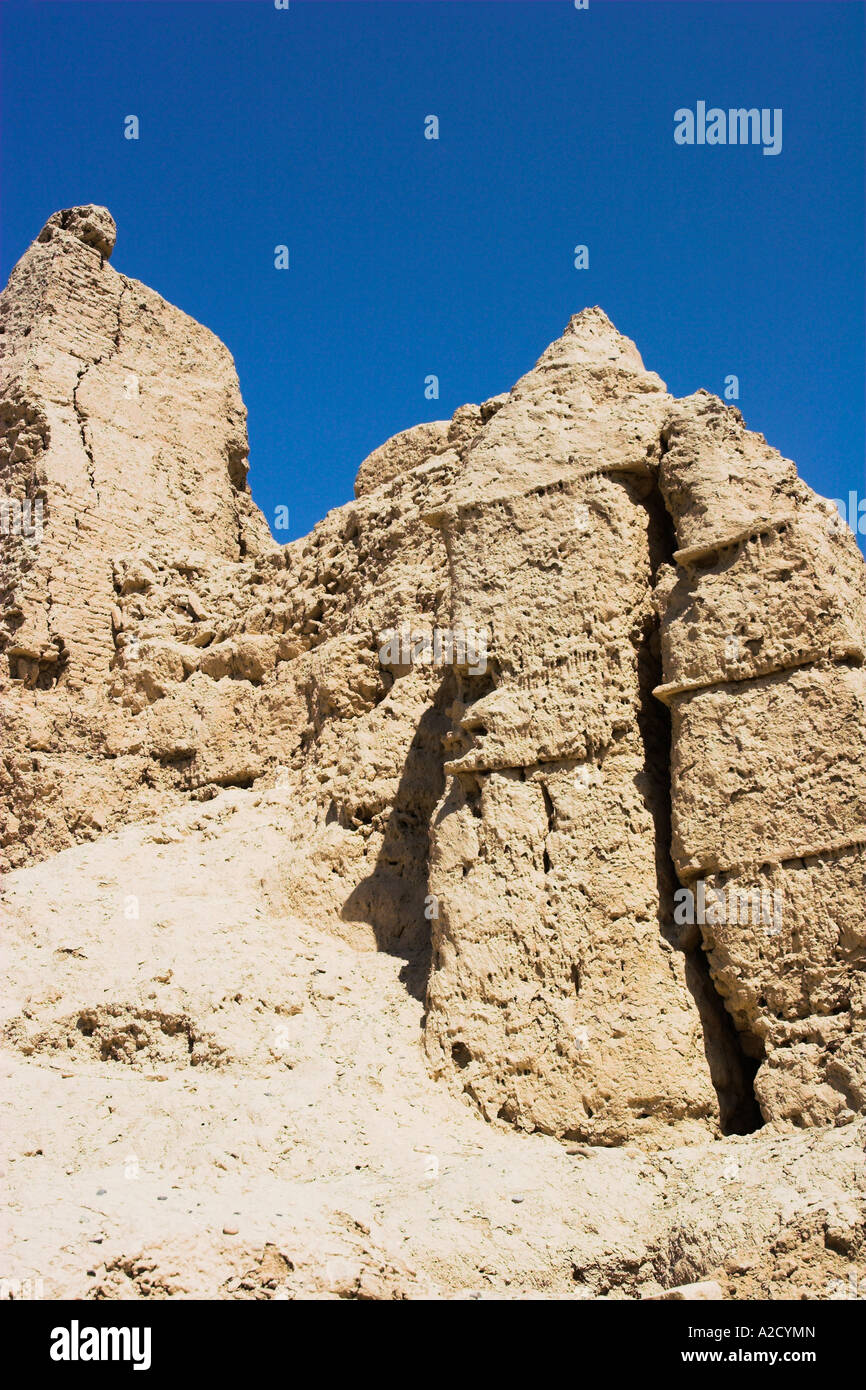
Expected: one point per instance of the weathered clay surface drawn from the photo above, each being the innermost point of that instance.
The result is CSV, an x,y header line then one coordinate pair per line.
x,y
553,981
763,633
122,420
574,651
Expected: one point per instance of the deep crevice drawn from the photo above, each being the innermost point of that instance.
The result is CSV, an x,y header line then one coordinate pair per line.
x,y
732,1069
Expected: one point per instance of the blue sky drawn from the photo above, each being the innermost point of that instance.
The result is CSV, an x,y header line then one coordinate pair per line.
x,y
411,257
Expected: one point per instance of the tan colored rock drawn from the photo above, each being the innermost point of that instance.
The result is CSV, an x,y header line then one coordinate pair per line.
x,y
405,451
139,416
555,1000
124,430
93,226
763,634
491,718
705,1290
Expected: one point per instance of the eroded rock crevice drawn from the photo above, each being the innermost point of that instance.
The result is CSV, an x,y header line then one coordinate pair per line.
x,y
731,1067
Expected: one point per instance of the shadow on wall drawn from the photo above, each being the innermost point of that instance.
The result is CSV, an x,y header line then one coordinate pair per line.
x,y
394,899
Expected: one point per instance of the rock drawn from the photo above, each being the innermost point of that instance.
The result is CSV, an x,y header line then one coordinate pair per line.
x,y
556,794
703,1291
405,451
92,226
567,662
770,821
121,418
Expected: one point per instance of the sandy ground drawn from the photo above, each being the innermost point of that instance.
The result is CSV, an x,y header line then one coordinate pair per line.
x,y
203,1096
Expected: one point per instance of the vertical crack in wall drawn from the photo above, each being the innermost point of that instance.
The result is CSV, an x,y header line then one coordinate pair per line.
x,y
732,1070
85,370
81,420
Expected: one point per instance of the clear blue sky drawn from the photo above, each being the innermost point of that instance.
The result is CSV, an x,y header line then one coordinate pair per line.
x,y
409,257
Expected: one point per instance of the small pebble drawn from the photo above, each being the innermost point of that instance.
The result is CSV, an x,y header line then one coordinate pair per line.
x,y
517,1199
230,1230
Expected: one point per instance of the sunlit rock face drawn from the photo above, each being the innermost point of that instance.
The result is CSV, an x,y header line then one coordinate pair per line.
x,y
763,631
567,704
